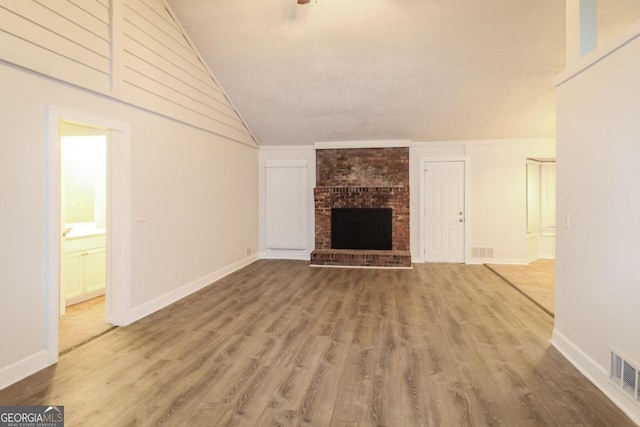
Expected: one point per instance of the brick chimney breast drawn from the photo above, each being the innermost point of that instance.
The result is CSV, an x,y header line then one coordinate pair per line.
x,y
362,178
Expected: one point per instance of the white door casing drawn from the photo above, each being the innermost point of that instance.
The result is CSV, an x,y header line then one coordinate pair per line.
x,y
444,202
119,228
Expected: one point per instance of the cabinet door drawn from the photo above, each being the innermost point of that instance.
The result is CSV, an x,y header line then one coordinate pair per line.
x,y
72,275
94,270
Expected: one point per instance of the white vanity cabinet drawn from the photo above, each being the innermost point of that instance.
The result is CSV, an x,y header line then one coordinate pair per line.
x,y
84,269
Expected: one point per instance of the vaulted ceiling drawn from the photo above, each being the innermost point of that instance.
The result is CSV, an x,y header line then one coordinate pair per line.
x,y
428,70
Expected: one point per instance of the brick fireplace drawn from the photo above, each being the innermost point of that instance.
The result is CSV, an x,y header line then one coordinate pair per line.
x,y
362,178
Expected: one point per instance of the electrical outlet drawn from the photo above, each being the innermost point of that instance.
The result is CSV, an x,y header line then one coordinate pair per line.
x,y
248,251
567,219
170,276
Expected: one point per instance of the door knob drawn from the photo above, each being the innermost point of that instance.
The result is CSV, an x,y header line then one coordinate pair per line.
x,y
461,220
460,213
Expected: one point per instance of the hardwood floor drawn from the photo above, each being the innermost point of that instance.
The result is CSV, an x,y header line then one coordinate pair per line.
x,y
536,280
280,343
81,323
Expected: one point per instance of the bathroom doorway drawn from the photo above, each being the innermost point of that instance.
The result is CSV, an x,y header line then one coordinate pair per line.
x,y
83,243
118,218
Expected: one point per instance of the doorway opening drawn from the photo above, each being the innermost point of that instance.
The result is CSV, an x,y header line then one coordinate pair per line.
x,y
117,219
83,225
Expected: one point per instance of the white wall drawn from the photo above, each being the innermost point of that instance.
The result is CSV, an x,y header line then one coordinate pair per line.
x,y
194,208
615,16
497,211
598,272
498,192
496,214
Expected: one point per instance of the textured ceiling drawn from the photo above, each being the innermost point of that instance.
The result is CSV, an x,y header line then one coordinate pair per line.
x,y
424,70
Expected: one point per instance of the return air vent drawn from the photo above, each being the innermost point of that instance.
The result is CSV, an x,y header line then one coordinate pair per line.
x,y
482,252
625,375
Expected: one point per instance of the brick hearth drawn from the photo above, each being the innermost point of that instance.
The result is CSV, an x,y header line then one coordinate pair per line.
x,y
361,258
362,178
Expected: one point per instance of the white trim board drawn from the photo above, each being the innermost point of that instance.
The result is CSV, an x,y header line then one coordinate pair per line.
x,y
621,39
169,298
594,373
505,261
299,255
473,142
287,148
337,145
118,287
23,368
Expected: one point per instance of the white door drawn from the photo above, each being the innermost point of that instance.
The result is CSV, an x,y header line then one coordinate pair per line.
x,y
286,205
444,211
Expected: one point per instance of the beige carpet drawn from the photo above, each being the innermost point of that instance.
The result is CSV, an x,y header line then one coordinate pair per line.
x,y
81,323
536,280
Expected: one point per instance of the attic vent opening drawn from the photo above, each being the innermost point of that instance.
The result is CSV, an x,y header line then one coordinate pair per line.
x,y
626,375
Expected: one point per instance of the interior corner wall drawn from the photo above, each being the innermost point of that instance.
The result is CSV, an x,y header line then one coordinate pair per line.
x,y
598,273
194,208
496,215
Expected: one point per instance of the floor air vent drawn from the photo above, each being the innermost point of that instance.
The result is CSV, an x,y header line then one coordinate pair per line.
x,y
625,375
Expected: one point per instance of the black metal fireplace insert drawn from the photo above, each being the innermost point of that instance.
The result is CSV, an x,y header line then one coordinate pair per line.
x,y
361,228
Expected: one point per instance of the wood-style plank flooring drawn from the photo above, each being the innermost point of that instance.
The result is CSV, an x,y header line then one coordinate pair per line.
x,y
81,323
280,343
537,281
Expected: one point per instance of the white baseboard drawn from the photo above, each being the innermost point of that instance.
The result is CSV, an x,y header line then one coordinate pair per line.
x,y
302,255
418,260
162,301
23,368
84,297
595,373
530,259
505,261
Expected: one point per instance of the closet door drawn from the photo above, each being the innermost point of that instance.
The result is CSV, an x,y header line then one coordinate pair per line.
x,y
286,205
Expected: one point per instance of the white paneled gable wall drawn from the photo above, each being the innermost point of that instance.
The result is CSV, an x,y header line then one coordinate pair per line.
x,y
178,153
59,39
132,50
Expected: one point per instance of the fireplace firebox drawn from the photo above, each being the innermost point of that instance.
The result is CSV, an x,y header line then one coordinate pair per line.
x,y
361,228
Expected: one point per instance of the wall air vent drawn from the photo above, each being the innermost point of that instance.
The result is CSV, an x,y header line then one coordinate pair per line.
x,y
482,252
625,374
